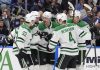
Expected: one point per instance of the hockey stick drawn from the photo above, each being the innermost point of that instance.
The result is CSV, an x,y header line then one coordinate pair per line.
x,y
90,47
38,56
56,56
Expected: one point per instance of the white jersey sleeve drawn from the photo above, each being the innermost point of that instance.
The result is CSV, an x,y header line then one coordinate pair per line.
x,y
13,34
54,40
23,38
82,33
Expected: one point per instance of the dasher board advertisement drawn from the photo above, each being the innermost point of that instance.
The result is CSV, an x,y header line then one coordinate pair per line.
x,y
8,61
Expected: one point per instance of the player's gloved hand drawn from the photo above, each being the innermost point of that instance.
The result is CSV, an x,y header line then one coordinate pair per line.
x,y
48,37
42,34
88,42
50,50
95,30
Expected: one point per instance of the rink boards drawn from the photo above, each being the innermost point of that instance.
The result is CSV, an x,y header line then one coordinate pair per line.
x,y
9,62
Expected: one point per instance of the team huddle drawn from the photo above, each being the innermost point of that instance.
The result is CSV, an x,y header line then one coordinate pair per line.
x,y
35,41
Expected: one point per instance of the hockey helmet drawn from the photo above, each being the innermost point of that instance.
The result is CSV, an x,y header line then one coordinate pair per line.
x,y
35,13
63,17
29,17
47,14
76,13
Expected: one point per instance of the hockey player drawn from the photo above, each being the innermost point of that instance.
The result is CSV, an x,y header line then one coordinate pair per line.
x,y
67,35
58,18
22,40
81,43
46,29
35,40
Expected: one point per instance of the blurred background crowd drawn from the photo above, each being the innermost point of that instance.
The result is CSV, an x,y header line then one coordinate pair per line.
x,y
12,12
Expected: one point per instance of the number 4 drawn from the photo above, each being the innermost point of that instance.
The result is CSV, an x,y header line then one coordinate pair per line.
x,y
71,37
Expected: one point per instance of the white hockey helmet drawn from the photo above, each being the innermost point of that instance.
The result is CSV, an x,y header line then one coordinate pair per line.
x,y
29,17
76,13
58,16
35,13
47,14
63,17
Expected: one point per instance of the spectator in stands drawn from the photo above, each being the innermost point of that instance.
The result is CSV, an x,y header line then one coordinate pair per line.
x,y
14,1
42,1
98,2
79,6
5,3
47,5
90,3
3,30
97,22
64,5
56,8
16,22
6,18
22,20
37,6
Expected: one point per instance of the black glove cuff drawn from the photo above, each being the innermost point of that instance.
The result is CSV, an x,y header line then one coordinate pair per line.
x,y
88,42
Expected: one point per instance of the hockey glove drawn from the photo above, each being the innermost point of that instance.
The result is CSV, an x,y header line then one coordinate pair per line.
x,y
95,30
48,37
44,34
88,42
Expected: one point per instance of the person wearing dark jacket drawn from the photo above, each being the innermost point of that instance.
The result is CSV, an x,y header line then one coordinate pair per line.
x,y
3,31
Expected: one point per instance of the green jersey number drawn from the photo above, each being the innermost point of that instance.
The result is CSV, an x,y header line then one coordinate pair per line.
x,y
71,37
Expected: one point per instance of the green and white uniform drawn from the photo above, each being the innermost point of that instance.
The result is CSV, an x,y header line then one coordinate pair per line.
x,y
35,37
42,27
68,36
23,37
84,26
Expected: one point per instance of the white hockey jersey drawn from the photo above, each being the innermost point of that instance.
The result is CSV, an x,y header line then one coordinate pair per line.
x,y
35,38
68,36
49,29
84,26
23,37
